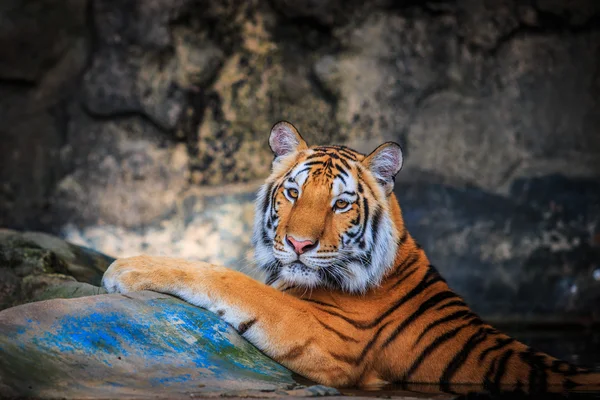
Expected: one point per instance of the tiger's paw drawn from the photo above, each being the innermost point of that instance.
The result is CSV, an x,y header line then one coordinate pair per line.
x,y
133,274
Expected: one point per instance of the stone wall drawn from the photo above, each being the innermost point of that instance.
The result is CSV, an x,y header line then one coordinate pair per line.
x,y
141,126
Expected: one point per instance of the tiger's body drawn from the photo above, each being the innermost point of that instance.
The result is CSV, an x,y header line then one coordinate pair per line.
x,y
350,299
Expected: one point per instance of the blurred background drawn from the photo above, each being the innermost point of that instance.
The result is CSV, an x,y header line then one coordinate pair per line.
x,y
134,126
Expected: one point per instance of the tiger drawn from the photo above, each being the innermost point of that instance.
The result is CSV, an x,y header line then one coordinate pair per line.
x,y
349,298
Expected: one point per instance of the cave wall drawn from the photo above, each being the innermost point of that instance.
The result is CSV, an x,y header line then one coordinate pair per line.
x,y
141,126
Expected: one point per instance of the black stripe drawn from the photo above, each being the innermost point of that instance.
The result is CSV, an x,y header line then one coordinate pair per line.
x,y
426,305
458,303
404,277
428,279
343,358
487,382
369,345
501,370
267,198
341,170
363,228
361,357
273,195
338,333
424,284
500,343
448,318
375,225
321,303
345,163
460,357
403,237
408,263
271,278
429,349
434,269
315,155
296,351
347,153
299,172
307,164
538,377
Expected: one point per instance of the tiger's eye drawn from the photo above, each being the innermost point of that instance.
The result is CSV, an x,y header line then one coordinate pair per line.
x,y
341,204
293,193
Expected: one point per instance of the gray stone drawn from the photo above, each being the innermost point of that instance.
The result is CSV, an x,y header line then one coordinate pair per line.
x,y
140,345
36,266
575,12
133,82
126,176
116,122
207,225
556,98
32,45
455,136
326,12
392,63
483,23
134,22
532,253
41,56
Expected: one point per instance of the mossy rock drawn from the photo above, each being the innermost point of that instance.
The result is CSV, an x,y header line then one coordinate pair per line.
x,y
37,266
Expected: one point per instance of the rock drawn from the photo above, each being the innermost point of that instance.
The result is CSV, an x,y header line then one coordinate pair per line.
x,y
36,266
484,23
532,253
44,47
142,344
211,225
33,45
577,12
391,62
138,178
325,12
121,118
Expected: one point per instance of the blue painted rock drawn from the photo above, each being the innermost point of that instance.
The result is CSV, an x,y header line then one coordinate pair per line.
x,y
142,344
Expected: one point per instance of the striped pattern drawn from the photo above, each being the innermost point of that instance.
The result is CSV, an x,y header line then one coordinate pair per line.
x,y
401,324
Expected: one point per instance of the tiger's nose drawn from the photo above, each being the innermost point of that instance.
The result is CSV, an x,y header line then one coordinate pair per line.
x,y
301,246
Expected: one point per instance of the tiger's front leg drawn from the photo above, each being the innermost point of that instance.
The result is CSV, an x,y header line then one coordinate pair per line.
x,y
280,325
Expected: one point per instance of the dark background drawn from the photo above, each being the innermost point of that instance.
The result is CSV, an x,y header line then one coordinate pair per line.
x,y
141,126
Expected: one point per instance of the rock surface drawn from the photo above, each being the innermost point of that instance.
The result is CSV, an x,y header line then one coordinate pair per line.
x,y
37,266
137,346
141,126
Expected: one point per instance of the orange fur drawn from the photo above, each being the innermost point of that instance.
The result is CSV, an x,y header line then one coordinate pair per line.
x,y
407,327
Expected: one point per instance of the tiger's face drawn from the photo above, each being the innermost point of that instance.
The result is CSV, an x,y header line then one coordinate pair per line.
x,y
322,217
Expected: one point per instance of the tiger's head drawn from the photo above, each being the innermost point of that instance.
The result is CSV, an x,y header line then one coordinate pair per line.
x,y
323,218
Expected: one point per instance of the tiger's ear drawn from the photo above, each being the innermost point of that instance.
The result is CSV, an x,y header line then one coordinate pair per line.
x,y
384,163
285,139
